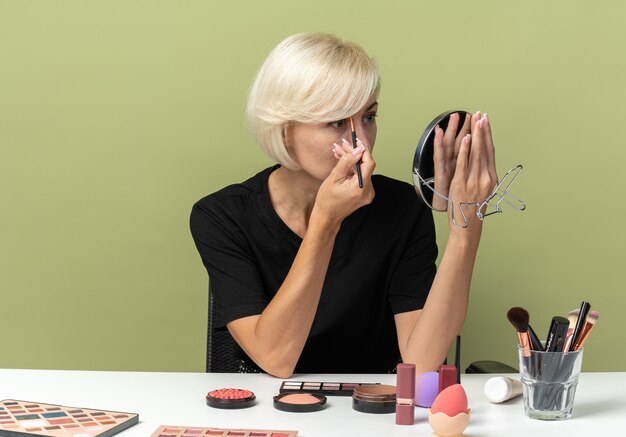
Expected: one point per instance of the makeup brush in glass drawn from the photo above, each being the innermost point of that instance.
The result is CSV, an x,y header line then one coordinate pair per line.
x,y
572,316
535,343
582,317
590,322
519,319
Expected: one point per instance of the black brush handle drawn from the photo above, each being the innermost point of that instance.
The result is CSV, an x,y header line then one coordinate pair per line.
x,y
582,316
534,340
457,359
358,164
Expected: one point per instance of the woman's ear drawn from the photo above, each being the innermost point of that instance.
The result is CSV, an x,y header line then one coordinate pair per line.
x,y
286,137
284,134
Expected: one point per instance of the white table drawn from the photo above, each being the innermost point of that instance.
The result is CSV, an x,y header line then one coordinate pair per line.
x,y
179,399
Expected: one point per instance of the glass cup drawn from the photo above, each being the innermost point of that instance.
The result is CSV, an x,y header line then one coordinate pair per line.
x,y
549,380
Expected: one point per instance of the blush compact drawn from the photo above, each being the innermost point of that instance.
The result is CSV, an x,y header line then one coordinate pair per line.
x,y
375,399
299,402
230,398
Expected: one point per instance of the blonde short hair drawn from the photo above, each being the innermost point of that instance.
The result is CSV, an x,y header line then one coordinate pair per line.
x,y
308,78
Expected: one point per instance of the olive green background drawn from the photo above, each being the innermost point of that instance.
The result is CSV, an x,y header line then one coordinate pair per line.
x,y
116,116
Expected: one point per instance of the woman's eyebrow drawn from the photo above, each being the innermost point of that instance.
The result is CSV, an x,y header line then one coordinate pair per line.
x,y
372,105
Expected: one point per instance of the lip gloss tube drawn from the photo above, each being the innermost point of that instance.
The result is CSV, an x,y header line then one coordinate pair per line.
x,y
405,394
447,376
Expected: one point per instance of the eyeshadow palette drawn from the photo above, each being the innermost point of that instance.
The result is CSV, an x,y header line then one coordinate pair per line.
x,y
184,431
322,388
22,419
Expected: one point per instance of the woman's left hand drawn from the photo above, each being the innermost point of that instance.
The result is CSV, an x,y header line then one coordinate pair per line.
x,y
446,147
475,175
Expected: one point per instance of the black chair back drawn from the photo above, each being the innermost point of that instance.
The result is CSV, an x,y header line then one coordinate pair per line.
x,y
220,347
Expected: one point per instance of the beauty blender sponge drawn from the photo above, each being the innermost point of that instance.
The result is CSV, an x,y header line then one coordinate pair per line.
x,y
452,401
449,414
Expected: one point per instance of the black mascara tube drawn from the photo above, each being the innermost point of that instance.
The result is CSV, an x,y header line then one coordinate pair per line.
x,y
556,336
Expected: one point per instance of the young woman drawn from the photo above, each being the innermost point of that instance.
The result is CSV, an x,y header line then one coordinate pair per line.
x,y
311,273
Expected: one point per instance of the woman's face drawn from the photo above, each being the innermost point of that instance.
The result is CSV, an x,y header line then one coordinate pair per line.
x,y
311,145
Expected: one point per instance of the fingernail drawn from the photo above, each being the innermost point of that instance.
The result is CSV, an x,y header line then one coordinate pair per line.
x,y
467,138
358,150
343,140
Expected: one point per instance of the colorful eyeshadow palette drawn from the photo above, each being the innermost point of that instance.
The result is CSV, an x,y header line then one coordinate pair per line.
x,y
22,419
323,388
183,431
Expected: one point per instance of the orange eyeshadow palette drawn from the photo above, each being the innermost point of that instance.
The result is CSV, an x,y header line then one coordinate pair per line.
x,y
184,431
321,388
23,419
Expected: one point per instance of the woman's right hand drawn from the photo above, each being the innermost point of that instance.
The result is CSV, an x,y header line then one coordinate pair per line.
x,y
340,195
275,339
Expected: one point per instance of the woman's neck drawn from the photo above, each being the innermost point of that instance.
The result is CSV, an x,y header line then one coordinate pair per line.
x,y
293,194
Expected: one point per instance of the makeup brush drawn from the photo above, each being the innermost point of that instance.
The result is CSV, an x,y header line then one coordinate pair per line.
x,y
519,319
590,322
354,146
535,343
572,316
582,316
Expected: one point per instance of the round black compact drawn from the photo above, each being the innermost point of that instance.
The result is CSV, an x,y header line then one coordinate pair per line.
x,y
299,402
374,399
230,398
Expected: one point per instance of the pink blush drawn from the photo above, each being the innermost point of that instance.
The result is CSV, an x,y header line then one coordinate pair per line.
x,y
230,398
299,402
231,393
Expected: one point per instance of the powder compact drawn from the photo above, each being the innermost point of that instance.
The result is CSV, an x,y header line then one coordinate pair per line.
x,y
230,398
375,399
299,402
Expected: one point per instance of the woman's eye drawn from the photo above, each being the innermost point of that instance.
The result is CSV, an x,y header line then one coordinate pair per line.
x,y
338,124
370,118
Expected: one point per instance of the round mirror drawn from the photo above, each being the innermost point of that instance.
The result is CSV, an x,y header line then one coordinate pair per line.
x,y
424,165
